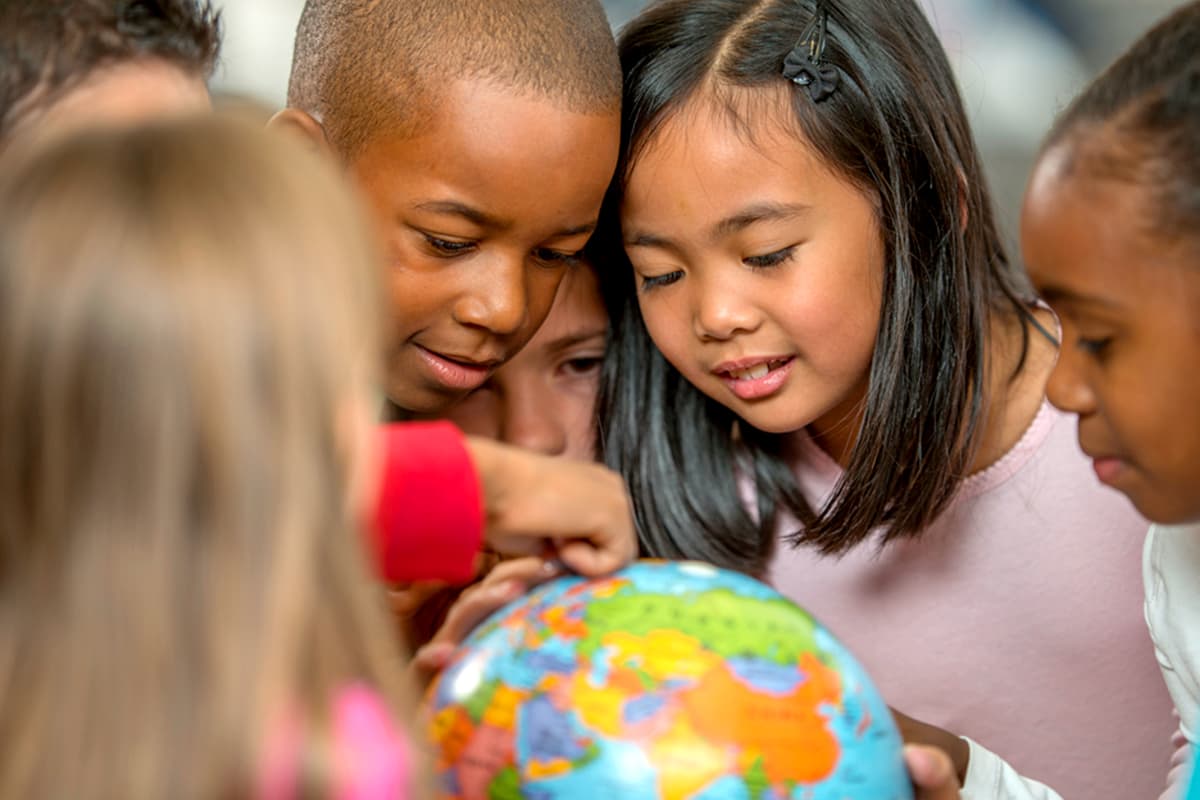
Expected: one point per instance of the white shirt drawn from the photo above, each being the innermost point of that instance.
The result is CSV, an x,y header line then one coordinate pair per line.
x,y
1171,571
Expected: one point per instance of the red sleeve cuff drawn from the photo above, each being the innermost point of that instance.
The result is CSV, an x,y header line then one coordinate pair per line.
x,y
429,519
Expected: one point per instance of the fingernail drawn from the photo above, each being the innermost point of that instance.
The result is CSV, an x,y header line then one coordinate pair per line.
x,y
922,764
506,589
553,566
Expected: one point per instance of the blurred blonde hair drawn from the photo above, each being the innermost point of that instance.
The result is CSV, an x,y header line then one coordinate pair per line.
x,y
187,311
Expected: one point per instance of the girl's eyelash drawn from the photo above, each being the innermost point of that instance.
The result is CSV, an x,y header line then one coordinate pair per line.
x,y
768,260
655,281
447,247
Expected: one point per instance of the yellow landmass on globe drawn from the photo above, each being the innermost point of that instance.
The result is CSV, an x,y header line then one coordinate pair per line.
x,y
599,707
540,770
661,654
686,761
502,710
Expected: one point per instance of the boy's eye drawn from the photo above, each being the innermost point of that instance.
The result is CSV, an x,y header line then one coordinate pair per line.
x,y
655,281
447,247
557,257
770,259
1094,347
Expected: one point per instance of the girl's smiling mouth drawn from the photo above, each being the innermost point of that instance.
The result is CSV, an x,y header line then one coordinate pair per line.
x,y
756,377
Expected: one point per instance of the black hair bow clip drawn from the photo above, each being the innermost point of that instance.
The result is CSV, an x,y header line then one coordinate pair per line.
x,y
803,65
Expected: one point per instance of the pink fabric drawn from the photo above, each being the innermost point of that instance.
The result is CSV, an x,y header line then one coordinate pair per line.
x,y
1016,619
372,757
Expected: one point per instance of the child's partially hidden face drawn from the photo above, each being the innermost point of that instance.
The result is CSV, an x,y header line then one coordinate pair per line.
x,y
481,213
1129,302
545,398
125,93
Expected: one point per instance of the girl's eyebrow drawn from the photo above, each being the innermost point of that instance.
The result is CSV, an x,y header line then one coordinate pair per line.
x,y
734,223
753,214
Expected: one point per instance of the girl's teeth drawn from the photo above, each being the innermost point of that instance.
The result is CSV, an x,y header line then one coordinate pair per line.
x,y
751,374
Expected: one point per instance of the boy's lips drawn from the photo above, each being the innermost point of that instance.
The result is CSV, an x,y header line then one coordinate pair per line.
x,y
755,377
457,372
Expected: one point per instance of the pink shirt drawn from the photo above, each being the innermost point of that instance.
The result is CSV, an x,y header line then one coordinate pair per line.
x,y
1015,620
371,758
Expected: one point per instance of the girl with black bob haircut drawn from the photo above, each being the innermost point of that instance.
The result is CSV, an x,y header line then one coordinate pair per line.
x,y
819,338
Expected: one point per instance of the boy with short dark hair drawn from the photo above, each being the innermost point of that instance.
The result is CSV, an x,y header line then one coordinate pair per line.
x,y
484,134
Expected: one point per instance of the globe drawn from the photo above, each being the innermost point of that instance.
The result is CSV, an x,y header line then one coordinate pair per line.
x,y
672,680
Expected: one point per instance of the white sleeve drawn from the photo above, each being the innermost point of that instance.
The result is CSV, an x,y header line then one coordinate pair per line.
x,y
989,777
1170,563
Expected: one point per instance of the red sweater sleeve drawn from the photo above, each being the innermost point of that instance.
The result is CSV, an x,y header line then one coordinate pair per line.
x,y
429,518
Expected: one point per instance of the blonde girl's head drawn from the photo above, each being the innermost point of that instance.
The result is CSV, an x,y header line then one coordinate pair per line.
x,y
188,314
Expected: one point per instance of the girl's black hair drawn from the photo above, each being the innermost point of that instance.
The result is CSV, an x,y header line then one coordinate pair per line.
x,y
895,127
1139,123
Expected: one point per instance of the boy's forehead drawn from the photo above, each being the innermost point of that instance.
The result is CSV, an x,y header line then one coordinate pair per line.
x,y
484,111
490,147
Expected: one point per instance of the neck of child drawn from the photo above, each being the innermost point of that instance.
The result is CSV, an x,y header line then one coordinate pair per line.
x,y
1018,366
837,430
1020,360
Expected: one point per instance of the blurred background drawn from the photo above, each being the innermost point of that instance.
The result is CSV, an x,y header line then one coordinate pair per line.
x,y
1018,62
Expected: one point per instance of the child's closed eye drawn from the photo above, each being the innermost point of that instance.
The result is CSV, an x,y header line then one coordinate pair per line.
x,y
447,248
581,366
558,258
655,281
772,259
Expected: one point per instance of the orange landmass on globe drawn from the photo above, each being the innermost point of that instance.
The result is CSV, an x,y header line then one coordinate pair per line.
x,y
787,731
561,624
451,728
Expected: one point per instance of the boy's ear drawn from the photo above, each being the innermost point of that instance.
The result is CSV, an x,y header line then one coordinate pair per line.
x,y
302,124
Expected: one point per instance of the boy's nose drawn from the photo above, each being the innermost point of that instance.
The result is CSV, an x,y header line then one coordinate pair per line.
x,y
498,303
